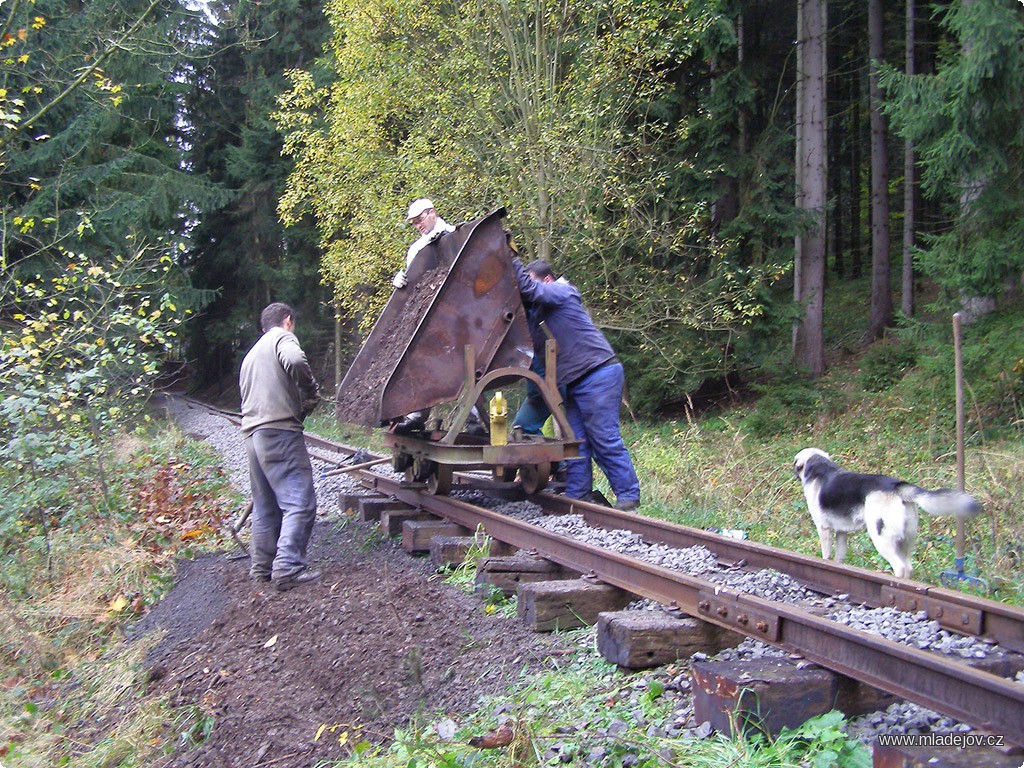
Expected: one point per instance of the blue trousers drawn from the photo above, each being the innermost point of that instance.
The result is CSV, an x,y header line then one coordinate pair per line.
x,y
534,411
592,409
283,502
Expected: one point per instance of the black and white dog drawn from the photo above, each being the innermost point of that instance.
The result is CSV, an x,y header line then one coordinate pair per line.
x,y
841,502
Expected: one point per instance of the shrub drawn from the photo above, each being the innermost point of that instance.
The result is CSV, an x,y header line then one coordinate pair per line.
x,y
77,361
885,364
780,406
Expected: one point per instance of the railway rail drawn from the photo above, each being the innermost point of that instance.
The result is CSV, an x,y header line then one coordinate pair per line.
x,y
948,685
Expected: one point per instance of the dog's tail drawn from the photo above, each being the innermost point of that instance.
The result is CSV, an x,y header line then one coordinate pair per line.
x,y
944,502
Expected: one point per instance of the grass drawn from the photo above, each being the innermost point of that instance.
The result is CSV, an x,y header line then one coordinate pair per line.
x,y
730,471
889,408
73,693
584,709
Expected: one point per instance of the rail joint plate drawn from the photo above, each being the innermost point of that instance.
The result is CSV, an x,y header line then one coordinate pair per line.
x,y
956,617
725,608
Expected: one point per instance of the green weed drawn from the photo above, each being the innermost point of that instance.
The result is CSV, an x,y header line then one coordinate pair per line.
x,y
884,364
63,608
463,575
586,709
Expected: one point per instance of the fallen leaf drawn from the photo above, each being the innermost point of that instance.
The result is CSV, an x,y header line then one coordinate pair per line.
x,y
118,604
271,642
497,738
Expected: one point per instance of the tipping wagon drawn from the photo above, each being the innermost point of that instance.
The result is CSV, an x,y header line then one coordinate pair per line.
x,y
456,332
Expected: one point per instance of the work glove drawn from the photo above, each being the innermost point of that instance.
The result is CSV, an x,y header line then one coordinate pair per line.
x,y
309,404
400,280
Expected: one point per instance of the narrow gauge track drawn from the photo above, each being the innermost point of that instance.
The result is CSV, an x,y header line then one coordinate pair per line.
x,y
945,684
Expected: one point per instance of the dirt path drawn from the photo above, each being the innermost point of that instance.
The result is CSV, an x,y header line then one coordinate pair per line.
x,y
374,642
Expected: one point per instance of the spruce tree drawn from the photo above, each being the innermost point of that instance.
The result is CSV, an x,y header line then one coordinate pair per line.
x,y
964,120
101,163
239,248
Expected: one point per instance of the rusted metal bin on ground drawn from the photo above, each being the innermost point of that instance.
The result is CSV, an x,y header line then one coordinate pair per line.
x,y
456,331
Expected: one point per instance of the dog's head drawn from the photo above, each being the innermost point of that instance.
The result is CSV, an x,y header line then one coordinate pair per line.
x,y
802,458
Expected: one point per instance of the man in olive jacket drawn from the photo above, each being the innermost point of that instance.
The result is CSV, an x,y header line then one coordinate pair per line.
x,y
278,392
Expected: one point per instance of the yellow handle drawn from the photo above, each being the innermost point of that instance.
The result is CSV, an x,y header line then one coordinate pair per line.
x,y
499,420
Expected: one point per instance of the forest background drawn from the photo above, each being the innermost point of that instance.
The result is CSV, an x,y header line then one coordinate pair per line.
x,y
700,170
772,209
718,178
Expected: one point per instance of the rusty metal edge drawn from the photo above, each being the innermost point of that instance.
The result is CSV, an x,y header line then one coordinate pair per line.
x,y
979,698
953,610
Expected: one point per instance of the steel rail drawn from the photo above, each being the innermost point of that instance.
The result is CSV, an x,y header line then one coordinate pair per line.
x,y
967,614
981,699
984,700
956,611
236,418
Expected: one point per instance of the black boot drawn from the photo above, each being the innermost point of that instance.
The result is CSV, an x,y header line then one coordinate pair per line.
x,y
474,426
412,422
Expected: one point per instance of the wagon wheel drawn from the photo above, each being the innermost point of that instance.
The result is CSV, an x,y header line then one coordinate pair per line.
x,y
503,473
439,482
419,469
400,461
534,477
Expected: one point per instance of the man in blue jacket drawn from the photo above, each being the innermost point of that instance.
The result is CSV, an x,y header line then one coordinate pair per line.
x,y
593,379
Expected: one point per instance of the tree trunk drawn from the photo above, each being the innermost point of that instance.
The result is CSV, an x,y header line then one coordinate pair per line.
x,y
835,170
812,183
856,247
909,186
881,278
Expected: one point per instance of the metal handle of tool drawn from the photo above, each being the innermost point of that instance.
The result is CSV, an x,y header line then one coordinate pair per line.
x,y
242,519
958,364
354,467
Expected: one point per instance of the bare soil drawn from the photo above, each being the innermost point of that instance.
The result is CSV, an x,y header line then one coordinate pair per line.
x,y
358,399
378,640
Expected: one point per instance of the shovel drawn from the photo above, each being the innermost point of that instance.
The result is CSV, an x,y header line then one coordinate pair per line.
x,y
235,528
950,578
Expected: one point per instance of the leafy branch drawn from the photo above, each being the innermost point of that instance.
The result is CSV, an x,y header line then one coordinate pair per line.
x,y
89,71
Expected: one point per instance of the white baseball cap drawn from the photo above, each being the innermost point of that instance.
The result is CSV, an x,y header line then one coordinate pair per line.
x,y
417,207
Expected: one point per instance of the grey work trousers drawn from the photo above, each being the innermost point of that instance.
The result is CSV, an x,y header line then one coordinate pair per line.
x,y
283,502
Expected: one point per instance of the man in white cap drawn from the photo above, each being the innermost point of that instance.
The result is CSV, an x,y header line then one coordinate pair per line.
x,y
421,215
